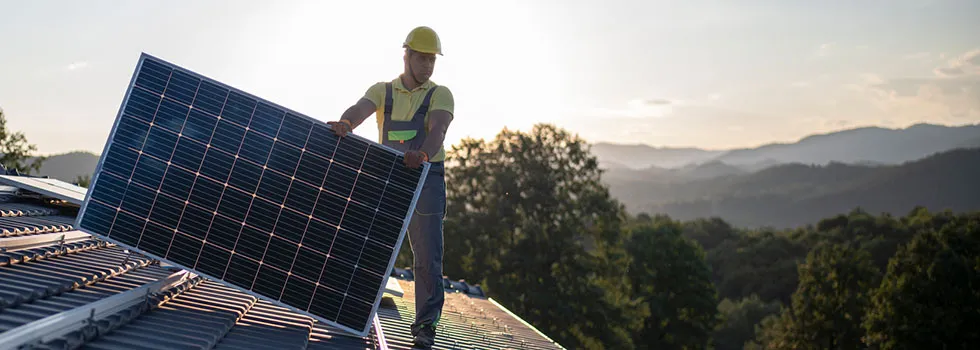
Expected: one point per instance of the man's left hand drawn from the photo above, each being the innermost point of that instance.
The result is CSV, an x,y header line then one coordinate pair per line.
x,y
414,159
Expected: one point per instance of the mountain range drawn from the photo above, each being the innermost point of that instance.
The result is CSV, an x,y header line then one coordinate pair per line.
x,y
791,195
785,185
779,185
874,145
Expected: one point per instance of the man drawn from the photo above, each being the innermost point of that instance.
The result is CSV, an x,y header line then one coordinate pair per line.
x,y
413,114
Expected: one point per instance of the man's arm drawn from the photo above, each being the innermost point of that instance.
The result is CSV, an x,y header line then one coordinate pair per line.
x,y
359,112
355,115
438,125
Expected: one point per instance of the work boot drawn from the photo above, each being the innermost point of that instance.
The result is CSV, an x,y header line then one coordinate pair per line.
x,y
424,337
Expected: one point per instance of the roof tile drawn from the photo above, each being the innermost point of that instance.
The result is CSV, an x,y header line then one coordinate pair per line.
x,y
55,278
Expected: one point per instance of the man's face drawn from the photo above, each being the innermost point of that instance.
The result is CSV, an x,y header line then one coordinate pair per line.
x,y
422,64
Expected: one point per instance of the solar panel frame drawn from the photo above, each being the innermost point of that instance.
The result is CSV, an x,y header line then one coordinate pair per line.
x,y
143,57
48,187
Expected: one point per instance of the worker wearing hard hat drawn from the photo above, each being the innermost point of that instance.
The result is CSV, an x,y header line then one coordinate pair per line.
x,y
413,114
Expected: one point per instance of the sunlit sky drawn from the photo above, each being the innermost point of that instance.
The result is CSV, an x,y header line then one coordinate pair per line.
x,y
711,74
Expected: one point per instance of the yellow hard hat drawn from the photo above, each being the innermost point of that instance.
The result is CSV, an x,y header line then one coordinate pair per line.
x,y
423,39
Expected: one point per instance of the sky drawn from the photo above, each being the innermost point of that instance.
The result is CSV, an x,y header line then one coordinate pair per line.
x,y
693,73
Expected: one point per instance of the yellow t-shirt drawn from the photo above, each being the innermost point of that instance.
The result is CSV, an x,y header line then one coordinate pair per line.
x,y
405,103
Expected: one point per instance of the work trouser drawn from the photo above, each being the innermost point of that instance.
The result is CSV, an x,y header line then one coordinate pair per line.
x,y
425,234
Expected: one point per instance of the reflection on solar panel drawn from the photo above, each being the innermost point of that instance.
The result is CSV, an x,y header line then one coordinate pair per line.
x,y
263,198
48,187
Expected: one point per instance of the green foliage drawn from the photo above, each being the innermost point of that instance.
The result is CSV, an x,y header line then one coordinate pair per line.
x,y
739,319
709,232
930,295
760,262
529,218
670,275
83,181
830,301
15,151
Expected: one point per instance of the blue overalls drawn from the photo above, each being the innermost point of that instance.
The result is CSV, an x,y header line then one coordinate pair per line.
x,y
425,231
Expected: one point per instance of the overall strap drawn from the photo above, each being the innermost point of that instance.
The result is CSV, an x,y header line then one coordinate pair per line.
x,y
424,108
388,102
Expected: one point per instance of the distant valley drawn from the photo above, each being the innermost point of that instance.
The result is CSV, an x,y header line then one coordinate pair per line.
x,y
785,185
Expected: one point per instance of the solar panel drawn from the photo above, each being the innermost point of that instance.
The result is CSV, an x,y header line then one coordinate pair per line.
x,y
48,187
241,190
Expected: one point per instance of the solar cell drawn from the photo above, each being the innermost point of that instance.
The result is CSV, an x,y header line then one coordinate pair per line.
x,y
239,189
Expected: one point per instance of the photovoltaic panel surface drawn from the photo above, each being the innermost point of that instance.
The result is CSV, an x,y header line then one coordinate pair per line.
x,y
242,190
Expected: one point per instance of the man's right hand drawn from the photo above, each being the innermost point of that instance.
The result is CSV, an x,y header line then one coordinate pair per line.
x,y
340,128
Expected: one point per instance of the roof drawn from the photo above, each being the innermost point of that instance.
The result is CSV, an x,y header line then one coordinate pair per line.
x,y
64,289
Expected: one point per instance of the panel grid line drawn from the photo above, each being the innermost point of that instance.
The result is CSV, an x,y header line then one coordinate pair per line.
x,y
251,201
223,189
324,191
139,154
299,245
282,206
254,163
339,228
157,195
204,209
197,176
193,182
366,236
319,195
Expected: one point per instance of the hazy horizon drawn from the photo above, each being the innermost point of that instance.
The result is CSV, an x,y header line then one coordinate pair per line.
x,y
707,74
637,144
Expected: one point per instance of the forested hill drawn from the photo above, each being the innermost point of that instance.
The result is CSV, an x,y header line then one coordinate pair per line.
x,y
528,219
792,195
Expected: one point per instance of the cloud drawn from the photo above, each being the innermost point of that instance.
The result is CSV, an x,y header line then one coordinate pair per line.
x,y
871,78
919,56
657,102
641,108
837,123
965,64
76,65
951,95
825,49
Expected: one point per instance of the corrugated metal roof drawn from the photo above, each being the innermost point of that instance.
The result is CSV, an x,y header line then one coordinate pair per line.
x,y
53,278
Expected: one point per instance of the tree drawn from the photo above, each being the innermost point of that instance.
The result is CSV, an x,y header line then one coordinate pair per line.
x,y
880,235
709,232
15,151
83,180
739,319
829,304
930,294
529,219
758,262
670,275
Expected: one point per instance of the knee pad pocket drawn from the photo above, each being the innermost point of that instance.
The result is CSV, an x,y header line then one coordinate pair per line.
x,y
432,199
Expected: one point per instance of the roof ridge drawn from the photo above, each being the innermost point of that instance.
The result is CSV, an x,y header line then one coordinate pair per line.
x,y
460,286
